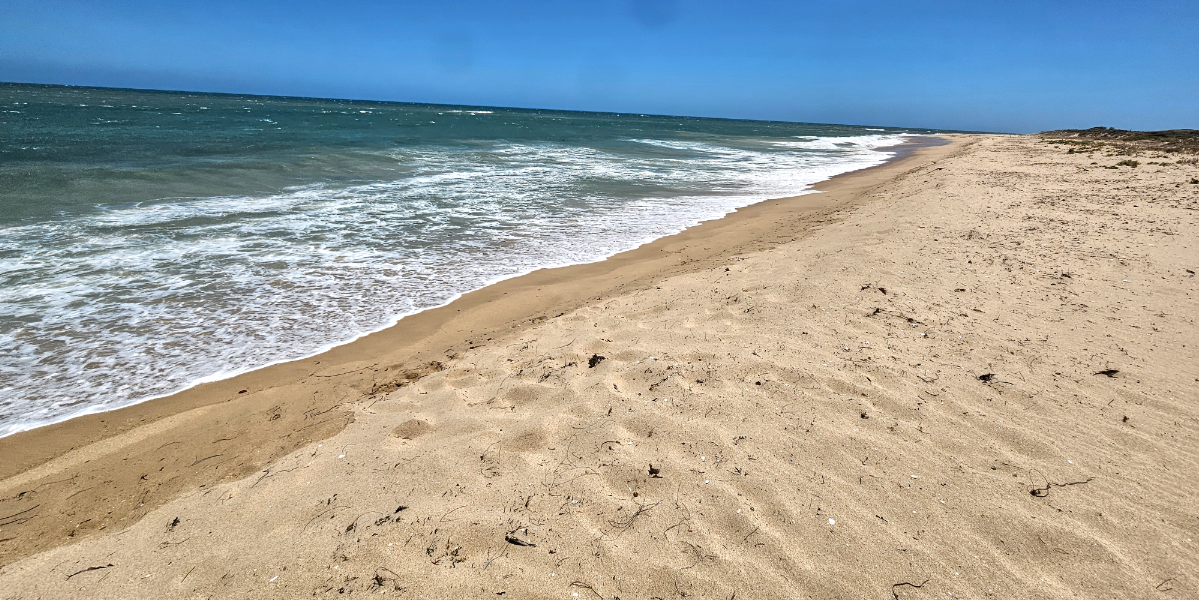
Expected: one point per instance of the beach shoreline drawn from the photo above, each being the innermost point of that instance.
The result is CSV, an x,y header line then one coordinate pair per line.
x,y
900,151
208,258
422,342
970,373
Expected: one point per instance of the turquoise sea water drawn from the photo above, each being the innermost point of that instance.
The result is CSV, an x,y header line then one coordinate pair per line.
x,y
150,241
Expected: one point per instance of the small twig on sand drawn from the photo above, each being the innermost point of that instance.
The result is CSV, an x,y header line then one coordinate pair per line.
x,y
204,459
443,517
89,569
587,587
268,473
1042,492
627,522
903,583
752,532
492,558
16,517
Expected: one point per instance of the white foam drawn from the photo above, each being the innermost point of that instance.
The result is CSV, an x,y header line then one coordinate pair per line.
x,y
849,143
130,303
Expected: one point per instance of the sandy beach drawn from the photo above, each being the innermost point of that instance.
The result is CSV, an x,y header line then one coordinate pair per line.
x,y
970,372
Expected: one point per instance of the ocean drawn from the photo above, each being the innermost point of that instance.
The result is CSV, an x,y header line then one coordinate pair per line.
x,y
151,241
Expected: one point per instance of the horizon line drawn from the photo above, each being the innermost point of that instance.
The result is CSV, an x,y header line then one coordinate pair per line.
x,y
524,108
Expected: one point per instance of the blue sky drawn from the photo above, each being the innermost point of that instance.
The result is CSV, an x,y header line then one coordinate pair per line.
x,y
997,66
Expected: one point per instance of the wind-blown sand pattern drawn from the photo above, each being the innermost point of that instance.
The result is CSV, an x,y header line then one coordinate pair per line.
x,y
973,372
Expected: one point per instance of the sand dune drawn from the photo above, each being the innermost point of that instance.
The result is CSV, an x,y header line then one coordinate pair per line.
x,y
976,376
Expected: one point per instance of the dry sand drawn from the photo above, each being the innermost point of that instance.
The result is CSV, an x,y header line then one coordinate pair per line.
x,y
891,389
